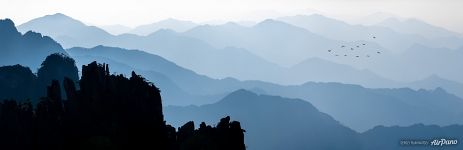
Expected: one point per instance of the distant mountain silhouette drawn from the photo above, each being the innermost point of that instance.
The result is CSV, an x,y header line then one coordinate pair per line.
x,y
313,69
375,18
435,81
172,24
28,49
66,30
264,40
387,138
183,86
184,51
321,70
206,49
419,62
378,106
381,108
244,66
390,65
202,86
394,40
106,112
441,64
273,122
299,125
273,40
197,55
415,26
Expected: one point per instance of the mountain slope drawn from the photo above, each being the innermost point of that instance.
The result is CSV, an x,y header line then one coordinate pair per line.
x,y
28,49
368,103
185,51
298,124
380,107
320,70
374,107
387,138
207,49
199,56
178,83
273,40
395,36
430,61
67,31
172,24
435,81
415,26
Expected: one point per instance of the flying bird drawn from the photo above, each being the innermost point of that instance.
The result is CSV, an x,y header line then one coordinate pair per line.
x,y
374,37
357,56
364,44
358,46
351,49
329,50
343,46
378,52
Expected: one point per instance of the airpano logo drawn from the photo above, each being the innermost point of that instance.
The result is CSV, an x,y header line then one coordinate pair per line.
x,y
444,142
438,142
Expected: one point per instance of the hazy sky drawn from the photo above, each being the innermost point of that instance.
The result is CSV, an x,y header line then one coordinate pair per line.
x,y
445,13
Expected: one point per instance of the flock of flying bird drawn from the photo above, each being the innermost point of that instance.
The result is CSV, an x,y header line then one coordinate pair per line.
x,y
352,49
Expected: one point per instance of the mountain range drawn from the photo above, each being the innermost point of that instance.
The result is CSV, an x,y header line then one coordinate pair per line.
x,y
189,52
385,106
30,47
185,87
415,26
298,124
371,107
63,28
274,122
273,40
309,112
275,44
393,34
432,81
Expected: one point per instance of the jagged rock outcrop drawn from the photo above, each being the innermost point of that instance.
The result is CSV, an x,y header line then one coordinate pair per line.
x,y
106,112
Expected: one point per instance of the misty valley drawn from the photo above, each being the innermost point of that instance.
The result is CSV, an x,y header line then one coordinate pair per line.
x,y
288,83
